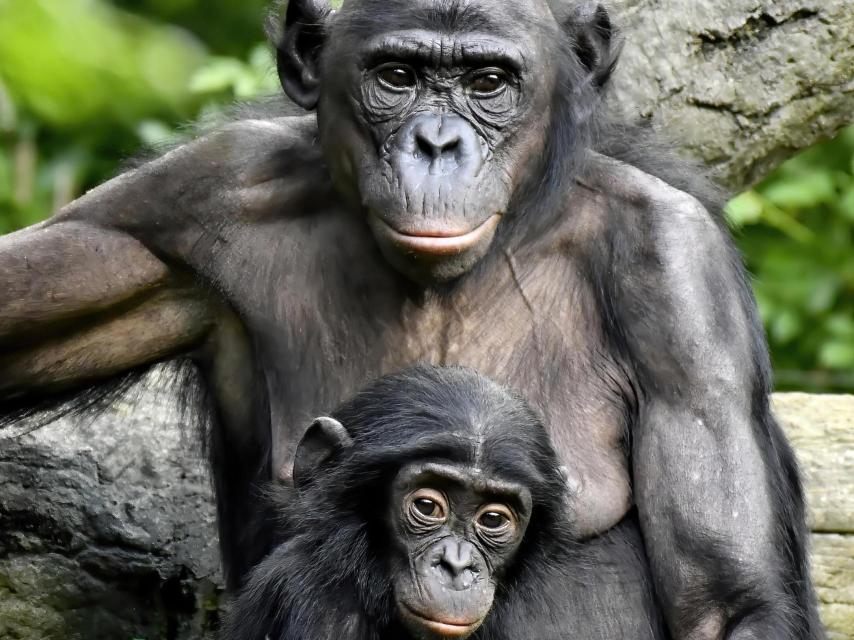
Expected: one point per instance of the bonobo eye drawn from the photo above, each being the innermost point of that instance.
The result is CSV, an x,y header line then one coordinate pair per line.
x,y
496,520
492,520
427,508
397,76
487,83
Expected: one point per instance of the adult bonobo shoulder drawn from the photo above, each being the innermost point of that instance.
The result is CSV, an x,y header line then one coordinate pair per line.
x,y
432,506
445,204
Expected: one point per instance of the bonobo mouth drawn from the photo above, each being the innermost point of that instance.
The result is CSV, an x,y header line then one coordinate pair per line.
x,y
442,628
438,242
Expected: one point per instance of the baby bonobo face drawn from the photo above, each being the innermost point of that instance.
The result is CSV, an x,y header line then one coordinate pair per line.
x,y
456,530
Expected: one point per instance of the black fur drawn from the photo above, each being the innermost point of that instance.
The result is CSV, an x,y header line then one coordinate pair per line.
x,y
329,576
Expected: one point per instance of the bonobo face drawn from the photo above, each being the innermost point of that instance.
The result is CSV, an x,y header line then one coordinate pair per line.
x,y
456,533
432,115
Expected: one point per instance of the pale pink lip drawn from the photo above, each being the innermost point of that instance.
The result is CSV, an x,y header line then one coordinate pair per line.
x,y
440,242
446,629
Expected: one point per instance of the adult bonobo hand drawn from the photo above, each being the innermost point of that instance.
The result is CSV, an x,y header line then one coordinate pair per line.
x,y
432,507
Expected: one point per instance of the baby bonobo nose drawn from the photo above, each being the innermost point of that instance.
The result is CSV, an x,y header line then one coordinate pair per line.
x,y
457,562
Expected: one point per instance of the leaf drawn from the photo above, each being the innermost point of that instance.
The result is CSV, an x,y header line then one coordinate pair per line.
x,y
77,63
837,354
840,325
220,74
744,209
823,295
846,204
803,191
786,326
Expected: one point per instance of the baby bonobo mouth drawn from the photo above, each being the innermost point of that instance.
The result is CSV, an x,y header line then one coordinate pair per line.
x,y
438,242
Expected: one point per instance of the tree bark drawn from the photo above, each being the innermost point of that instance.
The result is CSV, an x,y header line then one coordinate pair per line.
x,y
740,84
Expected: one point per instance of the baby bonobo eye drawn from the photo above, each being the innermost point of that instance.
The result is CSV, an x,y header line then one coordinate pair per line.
x,y
426,508
487,82
496,521
493,520
397,76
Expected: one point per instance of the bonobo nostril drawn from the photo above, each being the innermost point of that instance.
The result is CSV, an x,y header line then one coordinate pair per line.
x,y
438,137
435,148
439,146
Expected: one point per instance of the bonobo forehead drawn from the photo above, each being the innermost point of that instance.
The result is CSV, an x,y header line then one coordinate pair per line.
x,y
510,19
467,478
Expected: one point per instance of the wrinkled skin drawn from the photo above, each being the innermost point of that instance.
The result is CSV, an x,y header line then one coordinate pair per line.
x,y
450,562
292,259
434,153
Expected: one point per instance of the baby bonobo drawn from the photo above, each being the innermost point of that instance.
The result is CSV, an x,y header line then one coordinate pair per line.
x,y
431,505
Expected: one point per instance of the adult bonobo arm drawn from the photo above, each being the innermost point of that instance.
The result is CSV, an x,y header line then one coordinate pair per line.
x,y
79,302
716,483
105,286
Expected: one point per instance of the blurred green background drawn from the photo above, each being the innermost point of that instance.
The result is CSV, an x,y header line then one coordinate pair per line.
x,y
85,83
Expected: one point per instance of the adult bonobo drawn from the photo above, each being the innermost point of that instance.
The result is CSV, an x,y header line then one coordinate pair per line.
x,y
431,506
446,204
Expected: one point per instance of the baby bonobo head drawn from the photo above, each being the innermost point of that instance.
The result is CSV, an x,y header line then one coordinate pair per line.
x,y
415,503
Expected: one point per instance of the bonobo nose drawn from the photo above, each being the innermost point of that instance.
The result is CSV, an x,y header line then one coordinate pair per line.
x,y
438,137
457,562
444,143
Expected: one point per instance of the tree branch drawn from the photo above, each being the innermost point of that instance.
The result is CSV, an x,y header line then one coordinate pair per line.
x,y
741,84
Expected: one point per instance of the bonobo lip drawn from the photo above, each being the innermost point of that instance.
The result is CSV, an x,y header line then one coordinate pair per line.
x,y
439,242
444,628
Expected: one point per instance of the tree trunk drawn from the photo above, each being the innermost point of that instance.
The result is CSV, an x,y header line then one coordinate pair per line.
x,y
740,84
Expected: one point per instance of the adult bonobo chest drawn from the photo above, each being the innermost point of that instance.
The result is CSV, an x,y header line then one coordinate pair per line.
x,y
326,313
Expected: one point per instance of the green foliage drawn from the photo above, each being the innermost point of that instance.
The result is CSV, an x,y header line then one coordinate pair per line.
x,y
228,27
83,83
797,232
78,63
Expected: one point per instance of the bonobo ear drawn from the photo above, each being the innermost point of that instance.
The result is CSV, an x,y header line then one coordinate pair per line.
x,y
594,41
298,49
324,437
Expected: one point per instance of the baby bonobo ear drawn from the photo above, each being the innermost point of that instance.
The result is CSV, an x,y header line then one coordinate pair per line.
x,y
594,40
299,44
324,437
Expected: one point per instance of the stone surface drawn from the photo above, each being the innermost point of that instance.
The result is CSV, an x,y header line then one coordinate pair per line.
x,y
107,529
833,574
821,428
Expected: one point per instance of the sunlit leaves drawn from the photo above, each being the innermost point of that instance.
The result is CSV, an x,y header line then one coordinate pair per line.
x,y
232,78
75,63
797,231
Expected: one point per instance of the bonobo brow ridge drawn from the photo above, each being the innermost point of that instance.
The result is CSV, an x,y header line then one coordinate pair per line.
x,y
437,50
